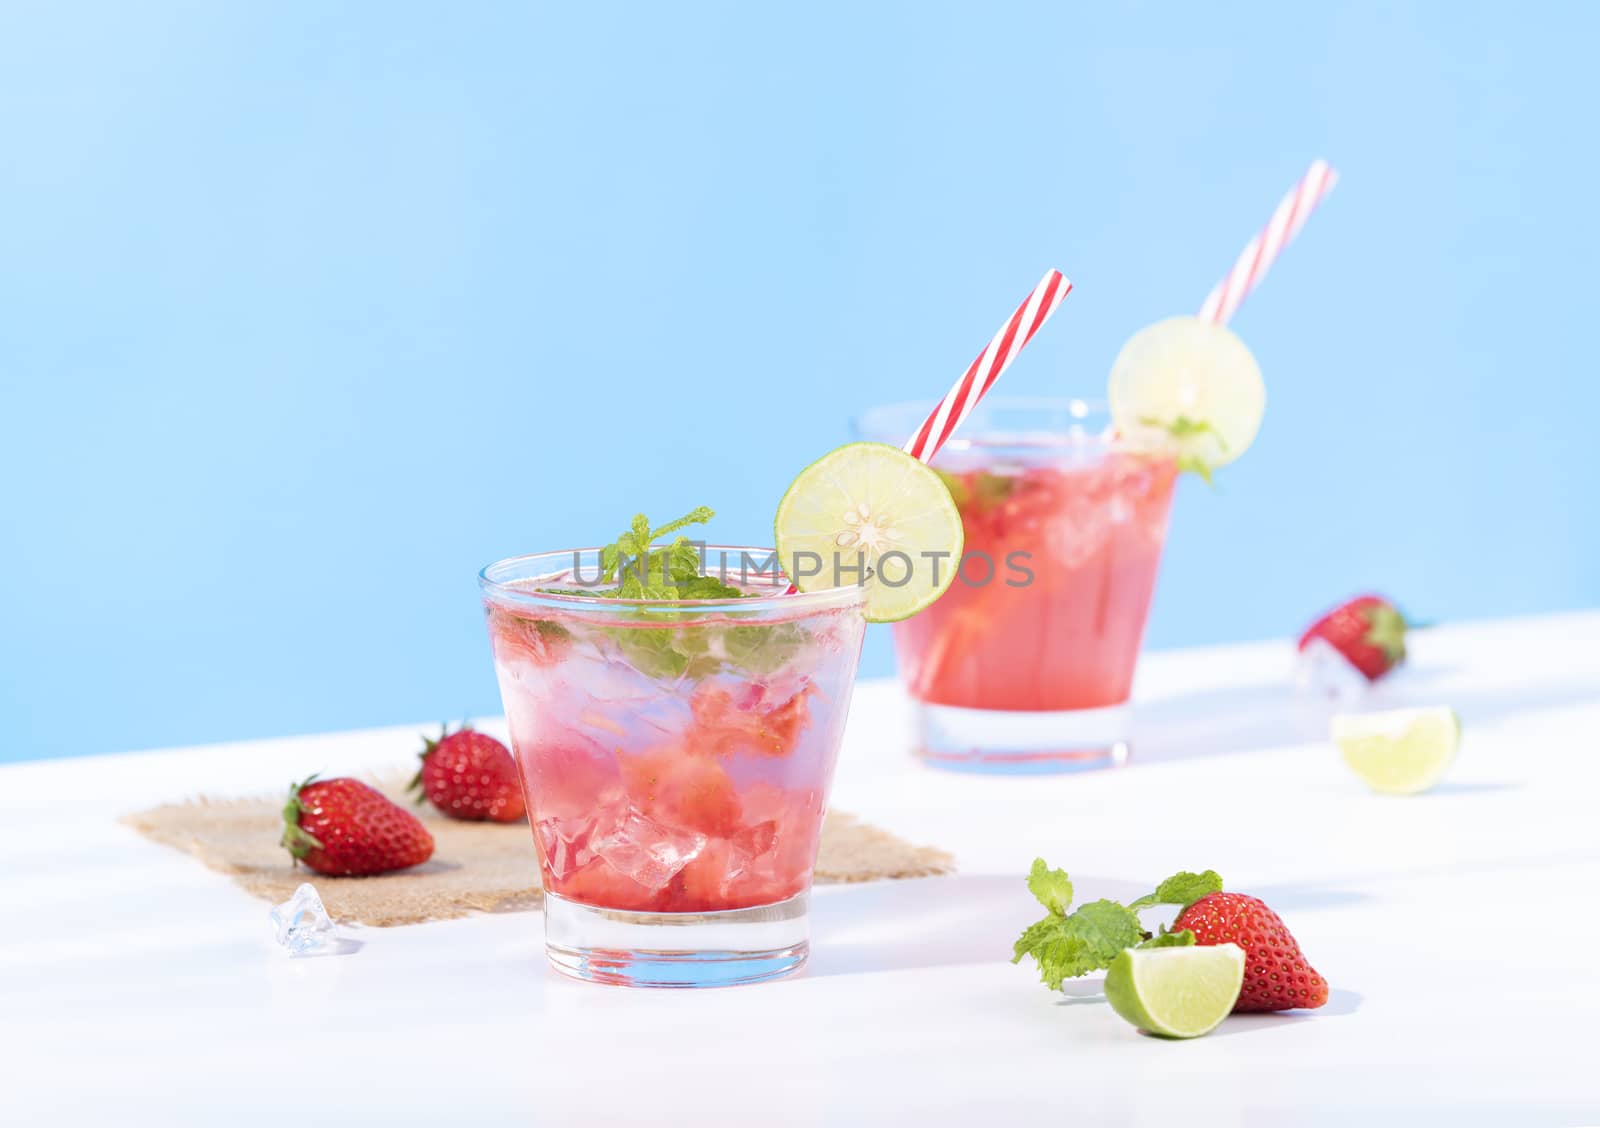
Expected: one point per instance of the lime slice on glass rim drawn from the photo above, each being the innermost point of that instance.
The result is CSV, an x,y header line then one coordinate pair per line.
x,y
871,506
1176,992
1189,388
1400,751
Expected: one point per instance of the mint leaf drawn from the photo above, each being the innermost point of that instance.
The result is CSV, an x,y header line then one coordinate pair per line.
x,y
666,654
1195,465
991,489
1106,928
979,490
1181,429
683,560
707,587
1185,428
696,516
1069,946
1051,887
646,572
1182,938
763,649
1066,944
1182,889
632,567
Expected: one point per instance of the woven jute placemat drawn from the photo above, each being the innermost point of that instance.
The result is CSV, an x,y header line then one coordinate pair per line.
x,y
476,867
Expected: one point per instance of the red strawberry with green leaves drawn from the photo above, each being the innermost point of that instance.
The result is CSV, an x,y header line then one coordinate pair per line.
x,y
470,775
1369,631
1276,975
344,828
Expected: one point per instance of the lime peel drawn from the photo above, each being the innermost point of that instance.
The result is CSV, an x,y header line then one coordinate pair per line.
x,y
869,513
1399,751
1188,388
1176,992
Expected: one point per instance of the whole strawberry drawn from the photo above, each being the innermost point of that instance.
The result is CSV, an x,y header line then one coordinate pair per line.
x,y
345,828
1369,631
469,775
1276,975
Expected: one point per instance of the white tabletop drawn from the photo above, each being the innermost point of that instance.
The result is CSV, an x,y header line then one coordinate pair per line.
x,y
1458,931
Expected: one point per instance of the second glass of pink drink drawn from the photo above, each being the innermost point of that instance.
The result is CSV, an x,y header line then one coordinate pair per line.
x,y
676,756
1026,662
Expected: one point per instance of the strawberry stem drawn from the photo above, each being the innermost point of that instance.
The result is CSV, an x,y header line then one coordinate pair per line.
x,y
297,840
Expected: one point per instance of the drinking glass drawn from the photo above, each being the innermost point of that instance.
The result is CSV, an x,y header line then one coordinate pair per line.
x,y
676,757
1026,663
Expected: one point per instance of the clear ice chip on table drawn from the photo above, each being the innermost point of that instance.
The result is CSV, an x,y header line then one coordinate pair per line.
x,y
1322,671
304,926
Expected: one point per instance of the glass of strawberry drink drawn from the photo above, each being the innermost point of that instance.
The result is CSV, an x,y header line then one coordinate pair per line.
x,y
676,755
1026,663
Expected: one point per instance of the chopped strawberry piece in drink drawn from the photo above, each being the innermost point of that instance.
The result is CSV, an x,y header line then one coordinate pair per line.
x,y
684,790
703,883
598,884
726,723
518,639
566,774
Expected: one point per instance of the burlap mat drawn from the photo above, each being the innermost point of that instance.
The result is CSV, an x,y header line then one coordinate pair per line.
x,y
476,867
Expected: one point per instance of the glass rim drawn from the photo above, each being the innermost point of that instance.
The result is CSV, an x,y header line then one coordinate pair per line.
x,y
577,603
971,437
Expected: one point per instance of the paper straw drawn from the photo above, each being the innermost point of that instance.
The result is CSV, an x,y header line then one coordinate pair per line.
x,y
982,373
992,361
1258,255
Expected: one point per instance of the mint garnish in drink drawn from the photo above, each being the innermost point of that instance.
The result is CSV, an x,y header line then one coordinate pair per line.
x,y
1068,944
642,571
637,566
977,491
1183,428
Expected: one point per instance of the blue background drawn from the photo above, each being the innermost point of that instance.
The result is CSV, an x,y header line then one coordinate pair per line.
x,y
307,311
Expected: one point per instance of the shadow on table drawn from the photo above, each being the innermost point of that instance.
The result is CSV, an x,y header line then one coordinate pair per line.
x,y
929,922
1340,1002
1276,715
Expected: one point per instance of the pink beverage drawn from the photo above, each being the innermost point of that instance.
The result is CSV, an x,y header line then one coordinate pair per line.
x,y
676,758
1026,663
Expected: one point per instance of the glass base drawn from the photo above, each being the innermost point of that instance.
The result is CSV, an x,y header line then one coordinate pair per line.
x,y
634,949
997,741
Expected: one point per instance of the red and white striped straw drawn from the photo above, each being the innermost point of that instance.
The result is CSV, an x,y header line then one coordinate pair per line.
x,y
992,361
983,372
1257,257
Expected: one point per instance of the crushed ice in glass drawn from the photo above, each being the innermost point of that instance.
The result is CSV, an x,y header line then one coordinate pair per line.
x,y
648,851
304,926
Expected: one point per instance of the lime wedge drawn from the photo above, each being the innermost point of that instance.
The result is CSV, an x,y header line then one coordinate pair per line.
x,y
1187,387
870,513
1399,752
1176,992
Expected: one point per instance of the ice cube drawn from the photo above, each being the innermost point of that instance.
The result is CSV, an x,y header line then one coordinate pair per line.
x,y
756,841
569,841
647,851
566,844
610,697
1322,671
1081,531
304,926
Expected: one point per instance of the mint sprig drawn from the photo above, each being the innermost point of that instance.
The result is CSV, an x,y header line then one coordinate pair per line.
x,y
1065,944
643,571
667,644
1183,428
632,567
